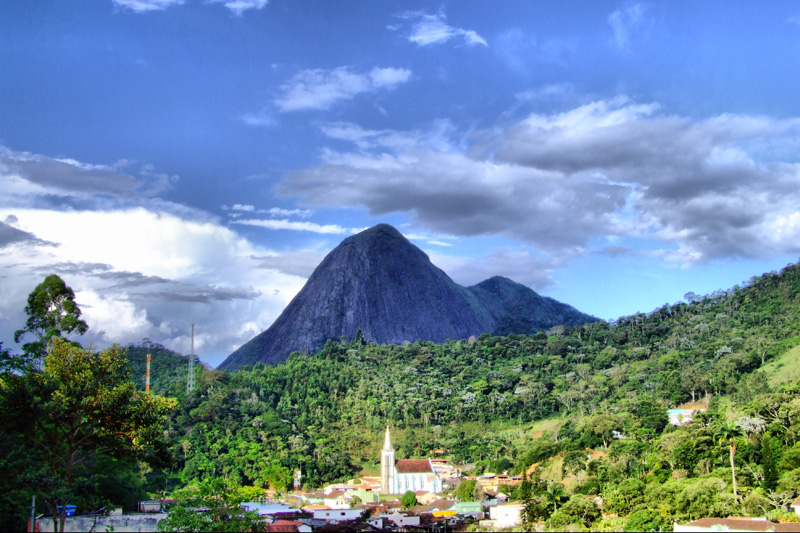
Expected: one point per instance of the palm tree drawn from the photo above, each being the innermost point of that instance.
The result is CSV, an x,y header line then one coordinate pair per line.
x,y
726,434
554,493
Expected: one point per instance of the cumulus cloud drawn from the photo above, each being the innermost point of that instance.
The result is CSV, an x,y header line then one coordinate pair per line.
x,y
147,270
704,188
293,263
25,177
320,89
430,29
520,265
10,235
628,23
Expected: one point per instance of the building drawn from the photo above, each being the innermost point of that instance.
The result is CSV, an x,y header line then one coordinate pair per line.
x,y
399,476
736,524
337,515
504,515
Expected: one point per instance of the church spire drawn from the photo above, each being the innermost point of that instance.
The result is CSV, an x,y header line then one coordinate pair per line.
x,y
387,445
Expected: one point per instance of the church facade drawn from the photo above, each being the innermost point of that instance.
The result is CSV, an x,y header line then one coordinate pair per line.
x,y
399,476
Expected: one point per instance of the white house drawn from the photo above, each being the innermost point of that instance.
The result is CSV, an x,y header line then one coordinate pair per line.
x,y
403,520
337,514
505,515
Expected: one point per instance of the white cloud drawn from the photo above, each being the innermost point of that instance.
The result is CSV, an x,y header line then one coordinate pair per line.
x,y
26,177
280,212
240,6
328,229
115,318
320,89
144,6
703,188
262,119
627,23
433,29
141,273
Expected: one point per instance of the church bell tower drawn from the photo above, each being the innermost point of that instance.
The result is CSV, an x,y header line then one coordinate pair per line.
x,y
387,466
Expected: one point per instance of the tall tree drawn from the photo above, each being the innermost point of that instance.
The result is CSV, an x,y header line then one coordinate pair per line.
x,y
52,312
81,407
725,435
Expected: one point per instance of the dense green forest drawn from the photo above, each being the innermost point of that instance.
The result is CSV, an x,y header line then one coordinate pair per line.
x,y
587,405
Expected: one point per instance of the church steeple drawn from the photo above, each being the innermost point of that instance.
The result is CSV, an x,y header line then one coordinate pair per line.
x,y
387,466
387,444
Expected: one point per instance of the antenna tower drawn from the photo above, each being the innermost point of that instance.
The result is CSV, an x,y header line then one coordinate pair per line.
x,y
147,379
190,381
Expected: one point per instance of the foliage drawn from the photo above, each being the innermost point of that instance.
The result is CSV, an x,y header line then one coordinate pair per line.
x,y
52,312
409,499
591,399
212,505
64,422
648,520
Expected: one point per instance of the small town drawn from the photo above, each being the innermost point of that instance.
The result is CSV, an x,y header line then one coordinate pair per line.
x,y
428,504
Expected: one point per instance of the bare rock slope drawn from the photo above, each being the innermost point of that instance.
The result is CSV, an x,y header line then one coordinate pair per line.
x,y
381,283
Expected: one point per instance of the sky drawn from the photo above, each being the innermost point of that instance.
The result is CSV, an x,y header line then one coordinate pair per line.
x,y
184,162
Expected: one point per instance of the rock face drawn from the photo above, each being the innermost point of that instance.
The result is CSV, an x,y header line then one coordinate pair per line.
x,y
381,283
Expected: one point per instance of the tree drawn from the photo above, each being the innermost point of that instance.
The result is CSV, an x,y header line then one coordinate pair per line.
x,y
768,463
212,505
409,499
648,520
81,407
726,435
477,493
52,312
465,490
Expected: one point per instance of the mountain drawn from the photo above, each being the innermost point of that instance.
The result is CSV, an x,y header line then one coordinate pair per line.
x,y
380,283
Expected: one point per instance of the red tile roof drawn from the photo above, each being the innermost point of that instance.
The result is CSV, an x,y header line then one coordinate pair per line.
x,y
743,524
413,466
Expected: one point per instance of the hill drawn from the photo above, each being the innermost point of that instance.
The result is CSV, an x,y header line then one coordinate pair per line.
x,y
510,402
381,284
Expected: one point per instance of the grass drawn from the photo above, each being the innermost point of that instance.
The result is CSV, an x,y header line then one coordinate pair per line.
x,y
783,369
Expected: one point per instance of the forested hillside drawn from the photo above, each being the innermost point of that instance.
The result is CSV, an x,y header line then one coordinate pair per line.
x,y
486,399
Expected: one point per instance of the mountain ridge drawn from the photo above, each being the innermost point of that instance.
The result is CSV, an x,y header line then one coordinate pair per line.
x,y
379,282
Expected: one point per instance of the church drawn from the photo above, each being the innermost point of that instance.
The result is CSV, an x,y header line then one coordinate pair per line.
x,y
403,475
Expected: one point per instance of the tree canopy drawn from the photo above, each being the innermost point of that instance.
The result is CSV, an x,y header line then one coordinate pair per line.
x,y
52,312
80,408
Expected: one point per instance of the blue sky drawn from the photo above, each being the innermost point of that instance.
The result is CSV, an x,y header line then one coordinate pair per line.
x,y
192,161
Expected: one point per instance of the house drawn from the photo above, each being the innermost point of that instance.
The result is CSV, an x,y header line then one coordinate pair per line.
x,y
273,510
424,497
444,468
337,514
504,515
287,526
684,413
399,476
473,509
365,493
436,508
403,520
796,505
336,500
737,524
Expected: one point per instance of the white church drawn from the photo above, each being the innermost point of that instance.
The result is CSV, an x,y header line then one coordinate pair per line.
x,y
397,477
